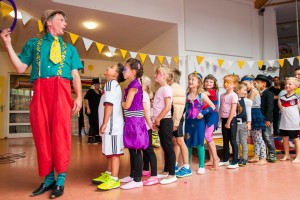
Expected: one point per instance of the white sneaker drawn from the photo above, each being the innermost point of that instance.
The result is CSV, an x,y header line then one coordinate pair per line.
x,y
162,175
233,166
132,185
168,180
126,179
201,171
223,163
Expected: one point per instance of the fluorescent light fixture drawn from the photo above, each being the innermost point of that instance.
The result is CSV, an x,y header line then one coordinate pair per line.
x,y
19,15
90,24
108,54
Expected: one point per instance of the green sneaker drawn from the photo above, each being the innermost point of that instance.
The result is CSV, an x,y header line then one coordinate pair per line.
x,y
101,179
109,184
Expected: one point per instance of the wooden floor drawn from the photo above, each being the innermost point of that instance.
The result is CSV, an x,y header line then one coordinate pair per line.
x,y
18,179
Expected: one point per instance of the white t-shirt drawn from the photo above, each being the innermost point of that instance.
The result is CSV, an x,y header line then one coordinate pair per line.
x,y
112,94
159,101
146,99
290,116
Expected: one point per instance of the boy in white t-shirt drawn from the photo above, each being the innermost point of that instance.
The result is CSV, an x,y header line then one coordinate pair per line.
x,y
111,127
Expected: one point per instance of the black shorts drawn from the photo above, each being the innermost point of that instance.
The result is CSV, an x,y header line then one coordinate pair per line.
x,y
292,134
179,131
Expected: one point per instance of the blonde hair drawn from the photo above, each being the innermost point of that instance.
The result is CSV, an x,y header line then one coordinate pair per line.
x,y
211,77
235,79
200,86
146,81
174,75
294,80
165,70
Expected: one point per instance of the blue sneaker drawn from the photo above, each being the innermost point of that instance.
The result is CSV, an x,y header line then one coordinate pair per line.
x,y
176,168
184,172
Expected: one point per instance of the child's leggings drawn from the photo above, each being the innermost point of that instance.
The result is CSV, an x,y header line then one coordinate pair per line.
x,y
201,155
259,144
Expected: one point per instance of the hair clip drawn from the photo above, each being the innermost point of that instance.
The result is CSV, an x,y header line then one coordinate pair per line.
x,y
139,66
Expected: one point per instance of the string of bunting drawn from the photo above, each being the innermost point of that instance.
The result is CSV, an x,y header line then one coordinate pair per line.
x,y
6,9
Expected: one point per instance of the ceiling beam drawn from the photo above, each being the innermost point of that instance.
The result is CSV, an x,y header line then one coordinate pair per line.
x,y
280,3
258,4
289,22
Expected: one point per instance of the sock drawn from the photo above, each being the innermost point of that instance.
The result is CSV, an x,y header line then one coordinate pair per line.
x,y
115,178
108,172
61,179
190,153
49,179
176,164
187,166
201,155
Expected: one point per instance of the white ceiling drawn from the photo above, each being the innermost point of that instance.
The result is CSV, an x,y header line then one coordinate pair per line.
x,y
121,31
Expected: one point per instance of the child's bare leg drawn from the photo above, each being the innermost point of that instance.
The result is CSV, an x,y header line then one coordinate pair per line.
x,y
211,160
115,165
286,147
213,155
176,149
297,145
109,164
183,149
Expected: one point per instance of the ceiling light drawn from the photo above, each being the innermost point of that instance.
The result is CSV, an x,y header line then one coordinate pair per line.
x,y
19,15
108,54
90,25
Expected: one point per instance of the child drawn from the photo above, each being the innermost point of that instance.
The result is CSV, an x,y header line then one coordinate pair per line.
x,y
211,90
195,125
243,123
289,105
135,130
163,121
178,105
148,154
267,107
227,112
111,127
258,122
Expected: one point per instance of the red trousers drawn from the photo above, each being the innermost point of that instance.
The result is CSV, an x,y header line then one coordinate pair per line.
x,y
50,120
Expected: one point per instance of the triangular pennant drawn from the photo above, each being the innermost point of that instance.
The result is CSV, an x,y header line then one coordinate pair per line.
x,y
230,62
176,59
123,52
133,54
143,57
271,62
87,43
199,59
220,62
241,63
112,50
281,62
40,25
298,58
25,18
291,60
168,58
5,8
99,47
250,63
152,58
260,63
73,37
161,59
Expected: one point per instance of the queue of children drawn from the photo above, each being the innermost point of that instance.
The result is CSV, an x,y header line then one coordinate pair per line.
x,y
243,110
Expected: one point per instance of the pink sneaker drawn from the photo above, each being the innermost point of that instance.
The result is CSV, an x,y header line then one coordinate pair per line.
x,y
146,173
151,181
132,185
126,179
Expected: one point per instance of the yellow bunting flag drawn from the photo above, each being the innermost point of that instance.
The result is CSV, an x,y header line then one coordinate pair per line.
x,y
199,59
298,57
260,63
143,57
176,59
123,52
220,62
281,62
241,63
73,37
41,28
161,59
6,9
99,46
